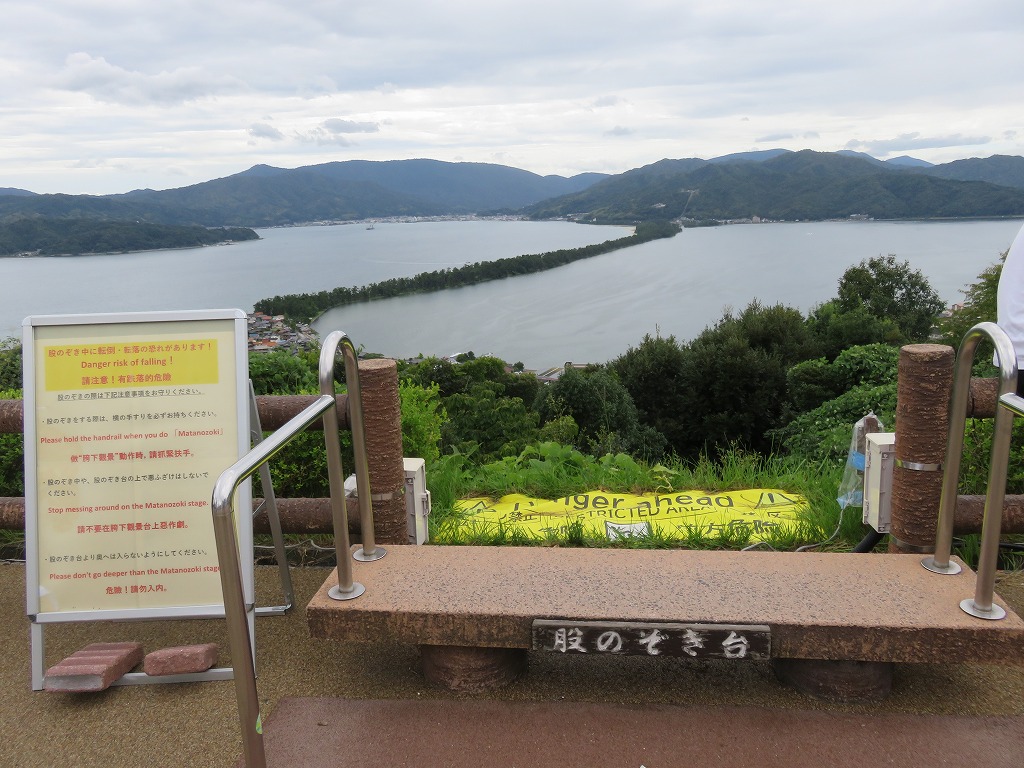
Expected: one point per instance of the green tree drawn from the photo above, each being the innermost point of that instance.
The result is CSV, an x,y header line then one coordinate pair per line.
x,y
890,289
282,373
979,306
434,370
484,422
834,329
652,373
10,363
603,411
733,379
422,417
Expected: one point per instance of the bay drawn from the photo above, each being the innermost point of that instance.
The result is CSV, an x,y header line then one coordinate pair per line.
x,y
590,311
594,310
285,260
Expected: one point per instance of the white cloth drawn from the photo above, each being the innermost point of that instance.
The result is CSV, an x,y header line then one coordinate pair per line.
x,y
1010,297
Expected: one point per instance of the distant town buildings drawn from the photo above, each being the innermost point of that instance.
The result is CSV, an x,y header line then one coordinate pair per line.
x,y
270,332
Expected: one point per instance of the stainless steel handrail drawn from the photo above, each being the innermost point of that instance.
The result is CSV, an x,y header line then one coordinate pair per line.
x,y
269,505
981,605
231,576
346,588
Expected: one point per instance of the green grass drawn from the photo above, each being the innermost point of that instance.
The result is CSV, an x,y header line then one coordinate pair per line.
x,y
553,471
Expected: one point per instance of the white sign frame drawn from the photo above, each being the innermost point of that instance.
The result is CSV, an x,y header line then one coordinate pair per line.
x,y
227,325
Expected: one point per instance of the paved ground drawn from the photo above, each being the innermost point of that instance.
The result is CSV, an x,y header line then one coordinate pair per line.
x,y
568,712
502,734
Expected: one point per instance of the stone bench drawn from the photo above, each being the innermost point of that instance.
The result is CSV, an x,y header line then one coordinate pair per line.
x,y
836,622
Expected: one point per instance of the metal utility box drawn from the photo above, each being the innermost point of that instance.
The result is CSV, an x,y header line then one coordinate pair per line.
x,y
417,500
879,459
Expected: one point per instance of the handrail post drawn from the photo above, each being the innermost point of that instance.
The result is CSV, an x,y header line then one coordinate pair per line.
x,y
981,605
231,576
369,551
939,561
346,588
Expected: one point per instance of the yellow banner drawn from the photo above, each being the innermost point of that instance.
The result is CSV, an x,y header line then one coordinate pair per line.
x,y
174,362
618,515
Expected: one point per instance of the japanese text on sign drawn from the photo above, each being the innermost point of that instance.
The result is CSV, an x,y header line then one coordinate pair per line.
x,y
130,364
132,424
706,641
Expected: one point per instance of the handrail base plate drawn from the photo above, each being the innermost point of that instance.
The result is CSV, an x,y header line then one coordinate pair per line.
x,y
971,608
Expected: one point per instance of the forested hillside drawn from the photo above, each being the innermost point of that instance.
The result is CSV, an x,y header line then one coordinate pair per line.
x,y
40,236
790,186
774,184
264,196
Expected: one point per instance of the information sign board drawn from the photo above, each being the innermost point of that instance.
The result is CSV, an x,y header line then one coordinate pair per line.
x,y
129,420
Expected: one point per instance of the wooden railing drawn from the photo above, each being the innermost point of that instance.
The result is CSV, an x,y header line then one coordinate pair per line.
x,y
382,415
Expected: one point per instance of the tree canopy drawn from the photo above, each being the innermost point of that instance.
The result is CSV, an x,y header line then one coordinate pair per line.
x,y
891,290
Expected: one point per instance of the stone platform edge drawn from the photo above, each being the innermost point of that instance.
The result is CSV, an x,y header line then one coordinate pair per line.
x,y
488,597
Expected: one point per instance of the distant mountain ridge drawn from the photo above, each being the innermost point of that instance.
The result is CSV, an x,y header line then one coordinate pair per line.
x,y
784,185
265,196
774,184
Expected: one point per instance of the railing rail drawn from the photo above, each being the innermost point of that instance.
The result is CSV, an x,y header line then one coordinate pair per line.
x,y
981,605
227,545
231,576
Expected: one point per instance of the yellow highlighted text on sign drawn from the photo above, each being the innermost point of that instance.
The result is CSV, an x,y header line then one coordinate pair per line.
x,y
618,515
117,364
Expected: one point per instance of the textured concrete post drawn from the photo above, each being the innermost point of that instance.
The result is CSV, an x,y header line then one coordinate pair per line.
x,y
847,682
924,383
382,417
472,670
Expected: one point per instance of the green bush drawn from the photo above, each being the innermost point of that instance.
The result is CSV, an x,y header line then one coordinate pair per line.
x,y
868,364
487,424
813,382
422,417
12,456
824,433
10,364
282,373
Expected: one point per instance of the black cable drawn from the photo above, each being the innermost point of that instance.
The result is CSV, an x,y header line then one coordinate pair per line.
x,y
869,542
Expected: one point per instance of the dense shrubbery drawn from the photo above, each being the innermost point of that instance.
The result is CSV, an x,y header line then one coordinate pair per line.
x,y
12,462
10,364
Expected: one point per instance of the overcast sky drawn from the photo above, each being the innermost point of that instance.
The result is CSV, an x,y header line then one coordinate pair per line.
x,y
104,96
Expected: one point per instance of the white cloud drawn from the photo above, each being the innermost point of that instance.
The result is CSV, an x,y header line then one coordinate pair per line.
x,y
106,82
909,142
607,101
265,131
154,94
774,137
337,125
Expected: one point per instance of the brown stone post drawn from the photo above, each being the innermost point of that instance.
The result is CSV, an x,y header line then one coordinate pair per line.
x,y
382,418
923,387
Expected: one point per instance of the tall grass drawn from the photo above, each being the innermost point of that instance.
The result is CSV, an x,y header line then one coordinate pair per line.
x,y
551,471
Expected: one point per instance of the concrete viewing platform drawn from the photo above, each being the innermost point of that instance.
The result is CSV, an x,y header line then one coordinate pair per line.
x,y
320,698
835,607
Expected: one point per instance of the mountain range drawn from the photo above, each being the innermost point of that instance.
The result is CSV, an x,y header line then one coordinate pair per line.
x,y
784,185
771,184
